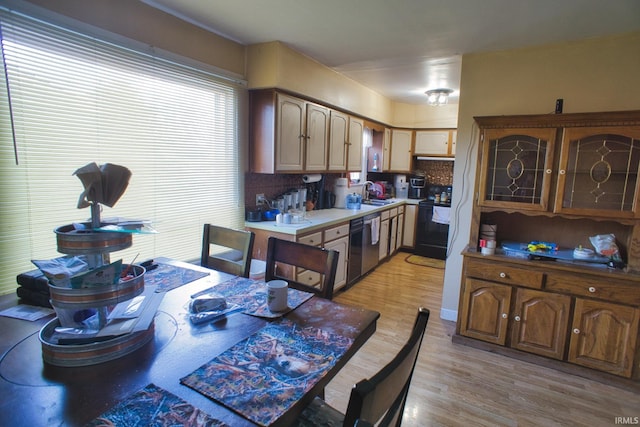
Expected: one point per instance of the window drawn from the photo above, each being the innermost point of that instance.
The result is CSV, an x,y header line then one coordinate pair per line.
x,y
70,99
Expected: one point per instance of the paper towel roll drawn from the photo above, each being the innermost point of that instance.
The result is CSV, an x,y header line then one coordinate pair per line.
x,y
311,178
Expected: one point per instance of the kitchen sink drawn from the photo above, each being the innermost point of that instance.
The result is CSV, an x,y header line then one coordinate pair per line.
x,y
378,202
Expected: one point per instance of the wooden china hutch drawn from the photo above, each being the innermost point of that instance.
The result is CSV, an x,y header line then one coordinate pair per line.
x,y
557,178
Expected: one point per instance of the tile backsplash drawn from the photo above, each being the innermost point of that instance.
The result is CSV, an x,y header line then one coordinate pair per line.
x,y
437,172
276,184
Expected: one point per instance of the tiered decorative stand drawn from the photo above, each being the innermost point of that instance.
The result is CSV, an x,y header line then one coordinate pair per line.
x,y
96,246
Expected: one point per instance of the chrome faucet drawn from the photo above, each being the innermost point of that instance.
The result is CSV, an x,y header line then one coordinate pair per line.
x,y
365,190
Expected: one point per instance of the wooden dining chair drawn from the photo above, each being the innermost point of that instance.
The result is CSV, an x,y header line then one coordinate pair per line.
x,y
379,400
227,250
305,267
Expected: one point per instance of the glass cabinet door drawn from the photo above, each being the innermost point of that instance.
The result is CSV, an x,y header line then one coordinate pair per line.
x,y
599,172
516,168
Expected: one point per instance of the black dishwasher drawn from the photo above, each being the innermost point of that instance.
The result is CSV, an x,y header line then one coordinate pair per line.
x,y
363,252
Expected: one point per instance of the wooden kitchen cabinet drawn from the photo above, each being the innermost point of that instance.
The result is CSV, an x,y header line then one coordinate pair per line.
x,y
604,336
567,313
434,143
410,225
540,322
598,172
401,142
516,168
337,238
561,179
287,134
484,311
338,141
383,248
400,230
354,151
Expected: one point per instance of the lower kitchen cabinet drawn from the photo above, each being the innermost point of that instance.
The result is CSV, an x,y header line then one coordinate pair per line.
x,y
410,226
540,322
604,336
337,238
579,315
484,311
384,235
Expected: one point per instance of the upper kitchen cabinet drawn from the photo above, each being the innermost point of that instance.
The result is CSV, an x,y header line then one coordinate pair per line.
x,y
338,141
287,134
401,142
516,168
439,143
599,172
354,150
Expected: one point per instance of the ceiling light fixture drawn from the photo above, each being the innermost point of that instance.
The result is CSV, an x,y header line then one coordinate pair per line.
x,y
438,96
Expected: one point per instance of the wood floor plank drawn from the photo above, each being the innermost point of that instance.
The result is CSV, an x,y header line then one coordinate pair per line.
x,y
457,385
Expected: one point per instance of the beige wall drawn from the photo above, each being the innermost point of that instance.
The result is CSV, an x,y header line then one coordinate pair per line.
x,y
591,75
135,20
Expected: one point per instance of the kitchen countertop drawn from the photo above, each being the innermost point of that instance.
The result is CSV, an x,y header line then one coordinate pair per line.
x,y
316,220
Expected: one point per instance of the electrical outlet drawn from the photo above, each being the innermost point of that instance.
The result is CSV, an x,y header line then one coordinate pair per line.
x,y
260,199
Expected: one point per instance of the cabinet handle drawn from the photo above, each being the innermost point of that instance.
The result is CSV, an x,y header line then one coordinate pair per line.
x,y
562,172
592,289
503,275
517,318
576,331
548,171
504,315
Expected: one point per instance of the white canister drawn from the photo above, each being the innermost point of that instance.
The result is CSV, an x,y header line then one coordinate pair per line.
x,y
341,189
277,295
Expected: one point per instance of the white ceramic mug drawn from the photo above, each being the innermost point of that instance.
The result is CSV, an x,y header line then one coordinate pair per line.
x,y
277,298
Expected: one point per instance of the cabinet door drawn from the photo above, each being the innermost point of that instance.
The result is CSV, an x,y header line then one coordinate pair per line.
x,y
516,168
485,311
432,143
317,138
393,238
342,246
354,156
401,150
454,138
400,231
410,221
290,134
604,336
338,141
540,322
599,172
386,150
384,239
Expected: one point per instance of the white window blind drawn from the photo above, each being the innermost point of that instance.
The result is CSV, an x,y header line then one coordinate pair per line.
x,y
72,99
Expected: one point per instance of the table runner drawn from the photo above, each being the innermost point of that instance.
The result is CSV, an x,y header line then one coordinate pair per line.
x,y
154,406
252,295
262,376
167,277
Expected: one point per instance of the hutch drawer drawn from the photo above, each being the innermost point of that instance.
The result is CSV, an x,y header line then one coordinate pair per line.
x,y
504,273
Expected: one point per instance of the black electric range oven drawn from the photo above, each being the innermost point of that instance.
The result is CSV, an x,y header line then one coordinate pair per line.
x,y
432,234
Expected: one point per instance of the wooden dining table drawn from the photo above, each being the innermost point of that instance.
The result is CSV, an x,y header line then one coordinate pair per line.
x,y
37,393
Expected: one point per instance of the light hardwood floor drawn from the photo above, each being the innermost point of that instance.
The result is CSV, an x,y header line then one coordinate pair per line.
x,y
456,385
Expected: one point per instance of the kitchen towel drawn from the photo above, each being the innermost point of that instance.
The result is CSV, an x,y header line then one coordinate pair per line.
x,y
441,214
375,230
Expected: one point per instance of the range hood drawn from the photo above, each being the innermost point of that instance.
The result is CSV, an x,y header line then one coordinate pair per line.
x,y
442,159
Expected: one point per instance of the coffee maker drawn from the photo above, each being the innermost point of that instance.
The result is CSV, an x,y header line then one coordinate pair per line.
x,y
416,186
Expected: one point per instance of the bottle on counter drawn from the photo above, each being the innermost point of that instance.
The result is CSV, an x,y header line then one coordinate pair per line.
x,y
443,197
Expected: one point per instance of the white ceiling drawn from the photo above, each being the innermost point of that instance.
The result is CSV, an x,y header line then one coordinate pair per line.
x,y
401,48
